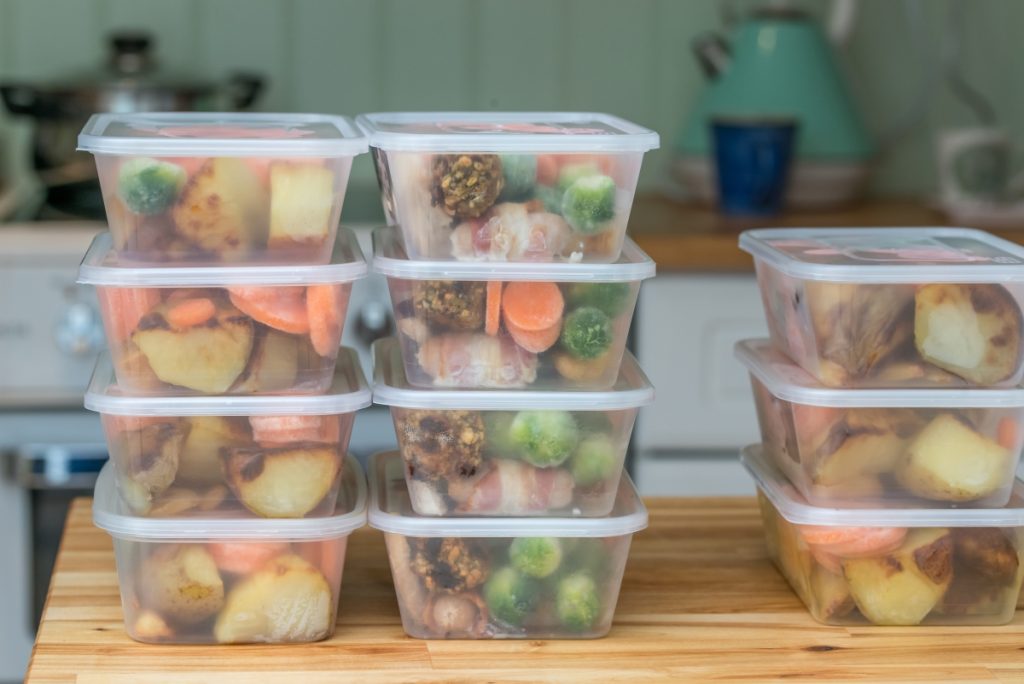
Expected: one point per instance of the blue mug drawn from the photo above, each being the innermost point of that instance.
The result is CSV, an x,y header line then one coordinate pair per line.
x,y
753,157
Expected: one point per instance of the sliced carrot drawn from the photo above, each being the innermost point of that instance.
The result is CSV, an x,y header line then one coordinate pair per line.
x,y
124,307
535,341
853,542
532,306
281,308
493,319
242,558
547,169
189,313
1007,434
326,306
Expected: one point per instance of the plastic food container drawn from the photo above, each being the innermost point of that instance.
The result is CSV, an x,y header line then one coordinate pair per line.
x,y
228,578
187,188
216,330
502,578
275,456
495,452
922,448
894,307
508,186
892,566
509,325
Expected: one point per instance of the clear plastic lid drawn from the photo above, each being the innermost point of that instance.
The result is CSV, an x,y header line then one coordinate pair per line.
x,y
349,392
787,381
390,259
101,267
391,511
795,508
109,513
222,134
632,389
887,255
505,132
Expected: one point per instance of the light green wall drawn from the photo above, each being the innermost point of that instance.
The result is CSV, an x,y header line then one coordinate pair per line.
x,y
629,57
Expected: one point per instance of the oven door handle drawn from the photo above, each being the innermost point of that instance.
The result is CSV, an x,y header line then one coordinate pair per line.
x,y
59,466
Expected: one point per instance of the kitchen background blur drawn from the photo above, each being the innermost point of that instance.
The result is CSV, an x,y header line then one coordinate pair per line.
x,y
912,69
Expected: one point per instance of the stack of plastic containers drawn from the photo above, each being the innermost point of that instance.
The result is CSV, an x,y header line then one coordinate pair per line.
x,y
892,421
506,513
226,400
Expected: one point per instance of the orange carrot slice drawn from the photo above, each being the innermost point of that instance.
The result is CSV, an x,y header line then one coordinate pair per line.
x,y
242,558
535,341
853,542
493,319
189,313
281,308
326,306
124,307
1007,434
547,169
532,306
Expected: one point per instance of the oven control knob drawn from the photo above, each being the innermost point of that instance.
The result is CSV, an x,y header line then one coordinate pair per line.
x,y
79,331
373,322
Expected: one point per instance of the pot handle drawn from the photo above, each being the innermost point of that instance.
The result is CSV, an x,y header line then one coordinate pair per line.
x,y
243,89
28,101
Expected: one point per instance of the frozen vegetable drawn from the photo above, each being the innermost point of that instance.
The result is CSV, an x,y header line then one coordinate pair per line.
x,y
572,171
595,460
973,331
532,306
577,602
550,197
499,439
301,204
586,333
282,482
510,596
610,298
439,445
520,172
589,203
181,583
465,185
326,306
535,556
512,487
450,305
286,600
544,438
149,186
949,461
279,308
582,370
493,316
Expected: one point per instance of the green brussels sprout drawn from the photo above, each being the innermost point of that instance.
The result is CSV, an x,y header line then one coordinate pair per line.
x,y
587,332
544,438
589,203
551,197
594,460
535,556
520,171
510,595
497,434
149,186
570,173
608,297
577,603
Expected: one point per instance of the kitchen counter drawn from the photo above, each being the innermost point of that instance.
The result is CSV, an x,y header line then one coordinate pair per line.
x,y
689,237
700,600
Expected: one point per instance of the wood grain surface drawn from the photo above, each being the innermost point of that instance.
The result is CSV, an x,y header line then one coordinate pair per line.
x,y
700,602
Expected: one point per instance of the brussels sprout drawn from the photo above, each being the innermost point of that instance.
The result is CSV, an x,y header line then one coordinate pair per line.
x,y
577,603
510,595
588,203
497,434
587,333
520,171
544,438
608,297
570,173
149,186
535,556
551,197
594,460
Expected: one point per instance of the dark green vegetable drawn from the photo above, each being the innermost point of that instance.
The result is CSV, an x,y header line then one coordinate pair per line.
x,y
577,603
551,197
544,438
589,203
520,171
570,173
510,596
497,437
594,460
149,186
608,297
535,556
586,333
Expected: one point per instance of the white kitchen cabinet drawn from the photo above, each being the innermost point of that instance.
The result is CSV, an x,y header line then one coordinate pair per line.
x,y
687,442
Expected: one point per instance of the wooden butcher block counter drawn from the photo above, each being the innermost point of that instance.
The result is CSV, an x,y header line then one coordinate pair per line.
x,y
700,601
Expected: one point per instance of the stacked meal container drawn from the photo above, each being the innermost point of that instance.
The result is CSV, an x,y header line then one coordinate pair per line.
x,y
506,511
892,421
226,399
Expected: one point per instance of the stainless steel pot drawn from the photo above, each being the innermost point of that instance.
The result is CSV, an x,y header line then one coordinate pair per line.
x,y
130,82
